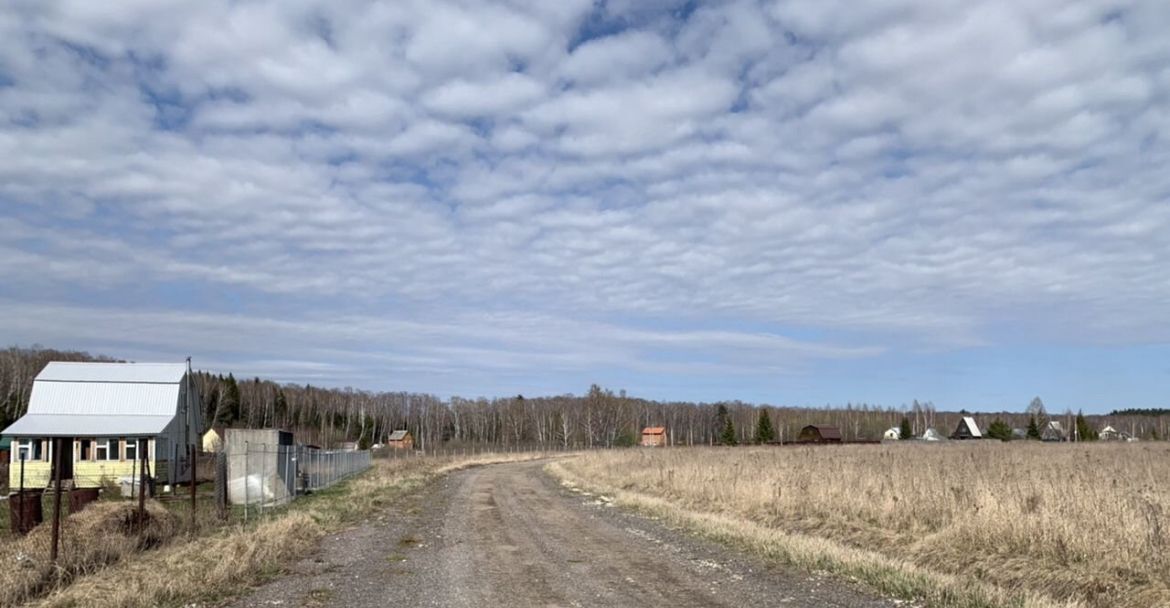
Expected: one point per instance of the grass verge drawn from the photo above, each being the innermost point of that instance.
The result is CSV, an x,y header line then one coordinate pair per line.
x,y
889,576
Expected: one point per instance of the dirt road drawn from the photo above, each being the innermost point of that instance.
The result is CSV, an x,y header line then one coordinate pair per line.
x,y
508,535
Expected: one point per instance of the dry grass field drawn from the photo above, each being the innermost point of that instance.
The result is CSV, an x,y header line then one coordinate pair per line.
x,y
103,565
958,524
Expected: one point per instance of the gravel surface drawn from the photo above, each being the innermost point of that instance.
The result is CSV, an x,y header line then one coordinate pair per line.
x,y
508,535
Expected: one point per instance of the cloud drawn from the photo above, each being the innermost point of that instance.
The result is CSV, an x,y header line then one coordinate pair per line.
x,y
915,176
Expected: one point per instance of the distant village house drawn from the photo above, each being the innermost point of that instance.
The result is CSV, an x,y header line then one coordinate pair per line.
x,y
967,429
213,439
654,436
931,435
1053,431
819,433
401,440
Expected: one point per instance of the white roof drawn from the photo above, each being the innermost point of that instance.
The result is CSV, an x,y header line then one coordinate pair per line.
x,y
138,373
89,399
73,425
971,426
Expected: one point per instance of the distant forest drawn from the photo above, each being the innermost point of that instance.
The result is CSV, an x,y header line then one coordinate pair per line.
x,y
600,417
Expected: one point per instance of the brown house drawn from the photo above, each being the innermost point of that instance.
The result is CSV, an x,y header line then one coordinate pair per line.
x,y
401,440
819,433
654,436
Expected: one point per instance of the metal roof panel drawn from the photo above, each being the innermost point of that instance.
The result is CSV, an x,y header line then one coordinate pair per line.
x,y
86,425
104,398
68,371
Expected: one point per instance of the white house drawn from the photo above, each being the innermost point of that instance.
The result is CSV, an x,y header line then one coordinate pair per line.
x,y
892,434
932,435
1053,431
101,412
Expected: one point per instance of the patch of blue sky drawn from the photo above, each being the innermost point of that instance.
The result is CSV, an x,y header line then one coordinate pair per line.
x,y
1000,378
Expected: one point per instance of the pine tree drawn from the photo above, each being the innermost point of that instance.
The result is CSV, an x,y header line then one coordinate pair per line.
x,y
1033,428
728,436
764,432
999,430
1085,432
904,431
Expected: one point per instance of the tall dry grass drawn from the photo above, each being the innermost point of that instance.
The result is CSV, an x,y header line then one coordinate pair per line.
x,y
1082,523
204,568
114,529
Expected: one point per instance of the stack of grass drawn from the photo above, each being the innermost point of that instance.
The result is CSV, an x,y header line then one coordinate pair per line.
x,y
89,541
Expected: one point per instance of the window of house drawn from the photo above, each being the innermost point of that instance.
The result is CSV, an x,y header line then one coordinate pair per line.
x,y
85,453
105,449
131,449
28,449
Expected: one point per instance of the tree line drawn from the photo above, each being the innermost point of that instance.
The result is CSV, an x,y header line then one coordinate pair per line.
x,y
599,418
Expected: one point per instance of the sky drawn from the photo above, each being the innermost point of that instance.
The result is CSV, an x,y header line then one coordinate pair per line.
x,y
798,203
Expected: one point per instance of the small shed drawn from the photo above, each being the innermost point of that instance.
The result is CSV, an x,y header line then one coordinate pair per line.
x,y
401,440
967,429
1053,431
819,433
892,434
931,435
213,439
654,436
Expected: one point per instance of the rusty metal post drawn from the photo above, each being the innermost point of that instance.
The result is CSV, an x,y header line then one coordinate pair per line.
x,y
141,483
56,499
194,459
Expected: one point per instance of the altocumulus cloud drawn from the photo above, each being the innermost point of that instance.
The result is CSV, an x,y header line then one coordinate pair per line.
x,y
689,199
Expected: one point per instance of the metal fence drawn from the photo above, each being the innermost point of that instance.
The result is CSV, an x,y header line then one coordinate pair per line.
x,y
260,477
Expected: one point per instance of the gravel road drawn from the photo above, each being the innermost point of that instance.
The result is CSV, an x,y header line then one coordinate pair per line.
x,y
508,535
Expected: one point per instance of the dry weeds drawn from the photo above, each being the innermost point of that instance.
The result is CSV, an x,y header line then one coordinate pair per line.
x,y
27,571
961,524
192,571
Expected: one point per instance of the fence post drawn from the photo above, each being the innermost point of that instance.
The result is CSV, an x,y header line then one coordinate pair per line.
x,y
246,498
142,456
221,484
194,459
263,475
56,499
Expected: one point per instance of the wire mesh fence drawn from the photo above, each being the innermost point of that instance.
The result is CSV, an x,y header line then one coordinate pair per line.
x,y
261,476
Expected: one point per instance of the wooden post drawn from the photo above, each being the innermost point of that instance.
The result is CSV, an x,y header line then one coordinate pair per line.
x,y
194,458
141,482
57,443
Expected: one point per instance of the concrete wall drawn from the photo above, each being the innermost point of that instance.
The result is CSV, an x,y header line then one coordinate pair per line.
x,y
261,466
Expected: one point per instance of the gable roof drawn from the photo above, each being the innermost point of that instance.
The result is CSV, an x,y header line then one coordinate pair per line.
x,y
398,435
972,428
825,431
91,399
654,430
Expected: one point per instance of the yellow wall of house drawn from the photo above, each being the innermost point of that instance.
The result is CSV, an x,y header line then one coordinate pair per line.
x,y
86,473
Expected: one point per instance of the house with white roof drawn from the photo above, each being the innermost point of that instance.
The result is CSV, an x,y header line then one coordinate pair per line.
x,y
967,429
103,414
